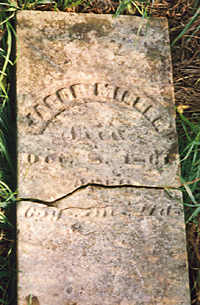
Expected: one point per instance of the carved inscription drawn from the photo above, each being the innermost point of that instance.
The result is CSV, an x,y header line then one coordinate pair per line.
x,y
95,158
98,133
51,214
64,109
51,106
54,214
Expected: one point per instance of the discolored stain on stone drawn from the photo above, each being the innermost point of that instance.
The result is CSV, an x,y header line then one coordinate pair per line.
x,y
81,30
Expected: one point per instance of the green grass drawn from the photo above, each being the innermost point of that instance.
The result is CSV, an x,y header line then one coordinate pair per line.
x,y
189,141
195,17
7,166
144,8
189,148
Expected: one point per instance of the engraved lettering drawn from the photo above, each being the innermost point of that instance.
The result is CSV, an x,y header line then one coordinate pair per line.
x,y
101,135
114,136
106,90
58,102
115,93
169,209
129,98
119,94
73,133
40,213
148,210
135,159
143,105
162,212
45,100
83,90
96,89
154,159
36,111
124,95
65,95
147,109
157,159
72,91
32,158
53,102
103,212
43,112
152,210
127,159
136,101
51,214
30,212
152,114
161,125
50,158
30,121
80,133
62,159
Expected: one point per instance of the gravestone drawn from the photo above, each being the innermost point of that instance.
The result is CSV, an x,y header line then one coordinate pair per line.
x,y
99,220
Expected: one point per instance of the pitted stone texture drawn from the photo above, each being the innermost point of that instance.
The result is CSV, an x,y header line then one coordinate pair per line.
x,y
95,103
94,107
104,246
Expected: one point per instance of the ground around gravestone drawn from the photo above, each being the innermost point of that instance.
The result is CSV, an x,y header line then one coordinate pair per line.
x,y
97,146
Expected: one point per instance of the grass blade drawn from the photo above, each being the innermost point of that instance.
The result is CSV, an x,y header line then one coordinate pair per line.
x,y
196,15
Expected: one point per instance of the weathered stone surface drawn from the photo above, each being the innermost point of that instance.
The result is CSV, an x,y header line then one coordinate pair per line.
x,y
104,246
95,126
92,106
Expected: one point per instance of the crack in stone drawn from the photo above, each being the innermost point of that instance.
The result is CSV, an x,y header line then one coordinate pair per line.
x,y
88,208
54,203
